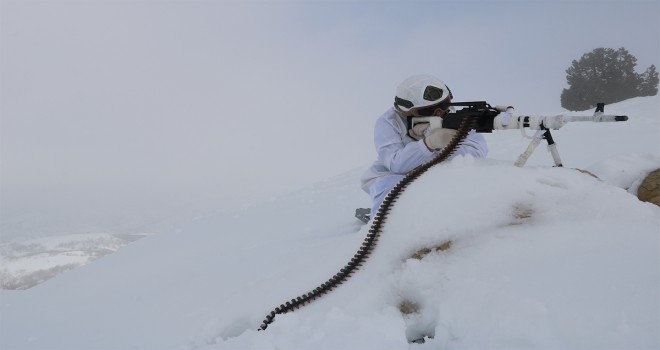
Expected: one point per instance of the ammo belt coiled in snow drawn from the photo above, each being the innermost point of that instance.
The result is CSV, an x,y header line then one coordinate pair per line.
x,y
371,239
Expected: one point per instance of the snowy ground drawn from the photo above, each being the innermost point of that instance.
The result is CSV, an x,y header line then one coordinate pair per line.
x,y
27,263
541,257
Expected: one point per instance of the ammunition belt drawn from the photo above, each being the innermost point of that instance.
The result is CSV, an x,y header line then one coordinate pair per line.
x,y
377,224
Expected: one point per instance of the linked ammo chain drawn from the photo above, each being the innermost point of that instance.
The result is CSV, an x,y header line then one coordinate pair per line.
x,y
379,219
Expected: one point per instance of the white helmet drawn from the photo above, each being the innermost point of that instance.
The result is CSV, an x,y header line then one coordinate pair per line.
x,y
420,91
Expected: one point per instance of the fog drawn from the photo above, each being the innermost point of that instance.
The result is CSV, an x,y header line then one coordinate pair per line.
x,y
125,116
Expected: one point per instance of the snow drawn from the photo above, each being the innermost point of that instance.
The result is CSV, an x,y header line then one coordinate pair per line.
x,y
30,262
540,258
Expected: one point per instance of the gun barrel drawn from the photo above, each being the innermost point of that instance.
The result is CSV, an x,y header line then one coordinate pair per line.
x,y
599,118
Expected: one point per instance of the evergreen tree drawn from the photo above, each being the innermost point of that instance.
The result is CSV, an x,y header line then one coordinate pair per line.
x,y
606,75
649,85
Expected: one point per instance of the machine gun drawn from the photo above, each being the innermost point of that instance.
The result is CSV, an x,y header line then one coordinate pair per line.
x,y
487,119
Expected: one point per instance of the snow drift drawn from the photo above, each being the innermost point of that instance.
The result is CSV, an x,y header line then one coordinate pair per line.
x,y
540,258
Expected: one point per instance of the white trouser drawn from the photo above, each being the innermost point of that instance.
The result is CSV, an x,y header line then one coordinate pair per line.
x,y
380,188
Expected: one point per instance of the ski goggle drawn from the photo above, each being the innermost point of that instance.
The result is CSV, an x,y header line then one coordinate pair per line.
x,y
427,111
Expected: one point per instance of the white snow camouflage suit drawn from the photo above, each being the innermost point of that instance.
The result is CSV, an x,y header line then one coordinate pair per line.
x,y
398,153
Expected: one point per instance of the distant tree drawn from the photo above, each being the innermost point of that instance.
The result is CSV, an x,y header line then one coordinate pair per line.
x,y
649,85
606,75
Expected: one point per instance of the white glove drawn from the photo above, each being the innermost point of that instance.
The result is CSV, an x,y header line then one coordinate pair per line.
x,y
417,131
505,120
439,138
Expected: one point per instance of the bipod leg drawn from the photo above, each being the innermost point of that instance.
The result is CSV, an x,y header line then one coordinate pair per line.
x,y
552,146
536,140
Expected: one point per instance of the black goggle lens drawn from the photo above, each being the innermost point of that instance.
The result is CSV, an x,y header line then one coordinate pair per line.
x,y
430,110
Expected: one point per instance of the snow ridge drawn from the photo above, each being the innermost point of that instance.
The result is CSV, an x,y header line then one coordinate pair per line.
x,y
539,258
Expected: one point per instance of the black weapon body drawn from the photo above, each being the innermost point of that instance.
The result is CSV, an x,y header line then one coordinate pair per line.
x,y
480,111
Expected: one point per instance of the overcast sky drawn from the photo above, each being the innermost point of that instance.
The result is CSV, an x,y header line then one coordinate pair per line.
x,y
119,112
